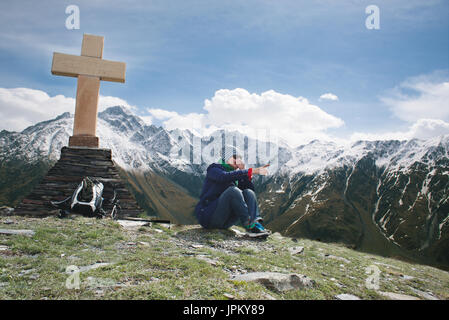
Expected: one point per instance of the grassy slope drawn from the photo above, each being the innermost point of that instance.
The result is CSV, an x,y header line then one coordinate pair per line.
x,y
18,178
185,263
161,197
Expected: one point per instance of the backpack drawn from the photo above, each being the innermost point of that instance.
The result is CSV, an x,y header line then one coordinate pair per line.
x,y
87,199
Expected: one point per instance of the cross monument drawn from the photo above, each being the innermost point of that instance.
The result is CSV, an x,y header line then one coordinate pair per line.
x,y
90,69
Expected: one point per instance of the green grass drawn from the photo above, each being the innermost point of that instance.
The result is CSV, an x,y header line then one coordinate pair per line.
x,y
168,263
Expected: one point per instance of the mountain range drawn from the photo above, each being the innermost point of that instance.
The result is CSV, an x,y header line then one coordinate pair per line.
x,y
385,197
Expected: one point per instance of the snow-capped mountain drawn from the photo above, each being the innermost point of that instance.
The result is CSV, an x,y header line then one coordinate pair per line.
x,y
389,197
383,196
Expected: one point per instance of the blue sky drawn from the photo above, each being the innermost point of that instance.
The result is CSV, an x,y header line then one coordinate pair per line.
x,y
179,53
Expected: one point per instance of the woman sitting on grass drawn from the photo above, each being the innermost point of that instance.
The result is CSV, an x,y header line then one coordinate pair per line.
x,y
228,195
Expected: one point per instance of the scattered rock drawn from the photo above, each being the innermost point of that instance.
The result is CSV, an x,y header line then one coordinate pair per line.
x,y
330,256
229,296
8,222
4,248
143,243
6,211
208,260
397,296
277,235
25,272
17,232
235,270
99,293
268,296
127,224
197,246
425,295
92,266
277,281
99,283
73,257
296,250
338,284
34,277
386,265
393,272
237,232
244,235
346,296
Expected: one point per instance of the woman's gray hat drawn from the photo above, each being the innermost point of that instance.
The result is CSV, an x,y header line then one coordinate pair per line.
x,y
229,151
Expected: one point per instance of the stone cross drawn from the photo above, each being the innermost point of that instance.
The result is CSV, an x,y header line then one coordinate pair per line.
x,y
89,68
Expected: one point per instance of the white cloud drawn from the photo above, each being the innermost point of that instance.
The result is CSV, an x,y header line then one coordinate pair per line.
x,y
189,121
421,101
328,96
267,110
292,118
420,97
428,128
161,114
147,119
108,101
421,129
174,120
22,107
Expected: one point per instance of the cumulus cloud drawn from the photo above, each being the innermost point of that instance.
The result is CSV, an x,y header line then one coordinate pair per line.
x,y
108,101
22,107
173,120
428,128
238,106
189,121
422,101
293,119
421,97
147,119
421,129
328,96
161,114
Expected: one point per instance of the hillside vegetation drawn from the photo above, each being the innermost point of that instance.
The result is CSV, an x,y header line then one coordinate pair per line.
x,y
128,260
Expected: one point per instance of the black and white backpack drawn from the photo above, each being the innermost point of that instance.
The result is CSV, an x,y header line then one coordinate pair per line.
x,y
87,199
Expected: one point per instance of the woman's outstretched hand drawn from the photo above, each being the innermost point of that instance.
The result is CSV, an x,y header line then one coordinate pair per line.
x,y
263,171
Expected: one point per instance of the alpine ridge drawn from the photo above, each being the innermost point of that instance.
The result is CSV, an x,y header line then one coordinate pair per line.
x,y
386,197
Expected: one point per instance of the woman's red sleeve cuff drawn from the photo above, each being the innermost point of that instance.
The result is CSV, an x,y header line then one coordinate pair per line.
x,y
250,173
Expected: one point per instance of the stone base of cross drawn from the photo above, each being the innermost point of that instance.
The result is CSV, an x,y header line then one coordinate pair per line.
x,y
90,69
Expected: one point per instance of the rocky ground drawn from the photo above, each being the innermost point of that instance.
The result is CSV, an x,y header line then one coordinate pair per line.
x,y
84,258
